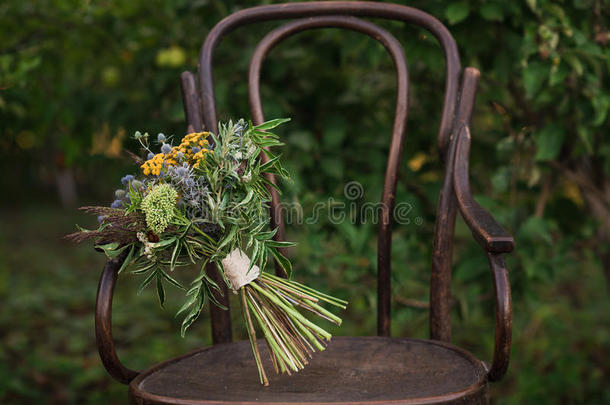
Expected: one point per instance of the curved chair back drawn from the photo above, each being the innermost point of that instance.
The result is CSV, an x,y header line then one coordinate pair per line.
x,y
453,144
201,113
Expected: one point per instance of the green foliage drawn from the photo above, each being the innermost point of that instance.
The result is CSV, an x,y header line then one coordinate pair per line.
x,y
74,75
457,11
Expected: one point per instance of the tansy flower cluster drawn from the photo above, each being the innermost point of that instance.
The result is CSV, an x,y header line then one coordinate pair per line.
x,y
192,150
153,166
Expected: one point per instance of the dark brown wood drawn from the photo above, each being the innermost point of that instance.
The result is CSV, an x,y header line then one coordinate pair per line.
x,y
366,370
494,240
190,101
103,323
220,318
504,317
397,140
442,255
446,211
485,229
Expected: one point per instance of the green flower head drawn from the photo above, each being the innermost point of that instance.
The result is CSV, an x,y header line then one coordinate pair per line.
x,y
159,206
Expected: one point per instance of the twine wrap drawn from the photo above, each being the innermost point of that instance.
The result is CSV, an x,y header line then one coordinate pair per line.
x,y
236,266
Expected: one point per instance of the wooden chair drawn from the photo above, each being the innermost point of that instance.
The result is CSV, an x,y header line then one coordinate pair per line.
x,y
370,370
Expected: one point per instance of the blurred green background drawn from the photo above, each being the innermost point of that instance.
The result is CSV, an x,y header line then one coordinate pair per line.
x,y
77,78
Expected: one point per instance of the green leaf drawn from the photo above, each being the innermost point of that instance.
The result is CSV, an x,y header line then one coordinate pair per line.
x,y
271,124
457,11
270,184
548,141
273,160
221,271
268,143
255,254
146,281
111,249
212,298
160,292
534,76
227,239
143,269
212,283
192,316
532,5
601,105
574,63
246,199
584,133
535,229
501,179
128,259
187,304
279,244
175,254
264,236
558,74
172,280
163,242
282,260
263,259
492,12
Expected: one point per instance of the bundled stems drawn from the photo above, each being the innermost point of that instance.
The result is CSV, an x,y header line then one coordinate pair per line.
x,y
291,338
252,336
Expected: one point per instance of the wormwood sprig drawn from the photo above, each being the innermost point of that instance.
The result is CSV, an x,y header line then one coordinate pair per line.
x,y
206,201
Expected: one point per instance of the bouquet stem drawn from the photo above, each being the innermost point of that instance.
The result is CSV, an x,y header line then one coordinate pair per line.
x,y
291,338
252,336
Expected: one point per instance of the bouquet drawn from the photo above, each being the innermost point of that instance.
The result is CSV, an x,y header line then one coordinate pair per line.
x,y
204,200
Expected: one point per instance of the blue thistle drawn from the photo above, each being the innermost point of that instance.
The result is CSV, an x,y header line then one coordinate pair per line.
x,y
126,179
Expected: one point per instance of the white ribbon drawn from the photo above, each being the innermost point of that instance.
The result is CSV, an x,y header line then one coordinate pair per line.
x,y
236,266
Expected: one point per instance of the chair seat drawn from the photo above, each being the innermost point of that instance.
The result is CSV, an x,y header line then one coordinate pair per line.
x,y
351,370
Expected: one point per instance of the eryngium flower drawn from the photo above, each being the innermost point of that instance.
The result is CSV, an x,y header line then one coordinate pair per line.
x,y
159,206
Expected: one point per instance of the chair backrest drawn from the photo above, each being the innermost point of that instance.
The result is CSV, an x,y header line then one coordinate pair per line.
x,y
458,102
454,149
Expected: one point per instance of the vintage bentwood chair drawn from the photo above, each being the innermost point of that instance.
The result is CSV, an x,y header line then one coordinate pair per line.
x,y
370,370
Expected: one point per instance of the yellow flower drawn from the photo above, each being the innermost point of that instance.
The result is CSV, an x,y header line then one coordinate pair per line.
x,y
153,165
200,155
160,160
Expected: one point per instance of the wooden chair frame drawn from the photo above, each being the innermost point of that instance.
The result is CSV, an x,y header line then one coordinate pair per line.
x,y
453,143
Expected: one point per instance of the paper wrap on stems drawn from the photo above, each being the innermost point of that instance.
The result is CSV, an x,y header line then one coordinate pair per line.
x,y
236,266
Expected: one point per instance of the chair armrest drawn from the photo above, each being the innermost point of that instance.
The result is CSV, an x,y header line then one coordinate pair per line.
x,y
103,323
485,229
495,241
504,317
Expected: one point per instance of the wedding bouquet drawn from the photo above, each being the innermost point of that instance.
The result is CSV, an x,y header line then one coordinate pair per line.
x,y
204,200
